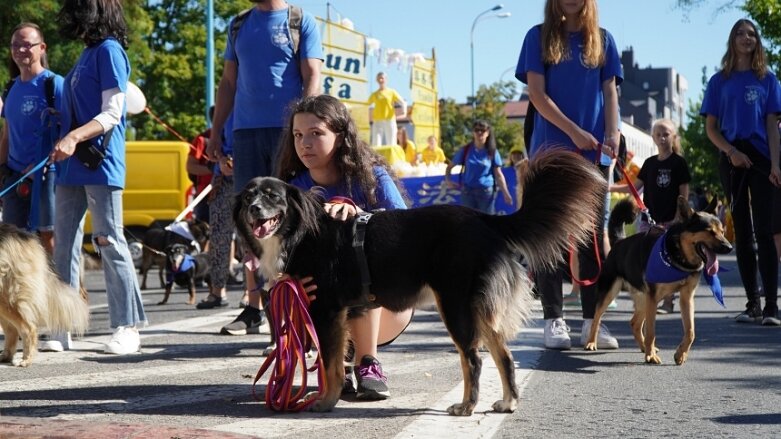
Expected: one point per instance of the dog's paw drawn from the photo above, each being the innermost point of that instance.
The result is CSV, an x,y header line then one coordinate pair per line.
x,y
653,359
460,410
320,405
162,302
503,406
680,357
6,358
590,346
269,350
25,363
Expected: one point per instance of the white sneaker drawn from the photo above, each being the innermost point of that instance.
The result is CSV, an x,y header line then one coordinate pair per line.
x,y
604,339
124,341
56,342
557,334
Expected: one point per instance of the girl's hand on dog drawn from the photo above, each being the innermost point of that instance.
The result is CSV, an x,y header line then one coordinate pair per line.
x,y
341,211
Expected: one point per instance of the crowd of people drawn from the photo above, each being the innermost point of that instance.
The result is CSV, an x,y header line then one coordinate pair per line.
x,y
272,61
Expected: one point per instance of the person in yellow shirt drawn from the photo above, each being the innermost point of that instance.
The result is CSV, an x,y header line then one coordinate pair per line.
x,y
410,150
432,154
383,130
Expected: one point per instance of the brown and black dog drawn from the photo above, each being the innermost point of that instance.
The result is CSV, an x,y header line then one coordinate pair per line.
x,y
184,269
482,292
157,239
678,257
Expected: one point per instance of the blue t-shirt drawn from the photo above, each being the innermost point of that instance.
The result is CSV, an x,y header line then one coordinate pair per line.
x,y
268,76
388,195
478,170
741,103
575,88
22,111
100,67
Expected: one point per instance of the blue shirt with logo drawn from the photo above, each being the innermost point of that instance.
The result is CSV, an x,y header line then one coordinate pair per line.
x,y
268,75
574,87
100,67
741,103
388,195
23,111
478,167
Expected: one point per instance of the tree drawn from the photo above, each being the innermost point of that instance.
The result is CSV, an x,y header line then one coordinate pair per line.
x,y
701,155
455,121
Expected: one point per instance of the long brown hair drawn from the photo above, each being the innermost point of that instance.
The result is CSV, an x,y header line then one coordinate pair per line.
x,y
93,21
555,45
730,59
353,157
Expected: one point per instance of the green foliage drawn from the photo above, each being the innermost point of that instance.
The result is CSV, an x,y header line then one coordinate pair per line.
x,y
698,150
455,121
767,15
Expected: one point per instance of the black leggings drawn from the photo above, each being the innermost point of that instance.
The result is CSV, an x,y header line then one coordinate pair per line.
x,y
750,194
549,284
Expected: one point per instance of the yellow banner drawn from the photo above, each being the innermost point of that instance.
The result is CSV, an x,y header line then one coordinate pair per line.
x,y
425,102
344,71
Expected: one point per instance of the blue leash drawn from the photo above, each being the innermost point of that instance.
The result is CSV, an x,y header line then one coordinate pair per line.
x,y
30,172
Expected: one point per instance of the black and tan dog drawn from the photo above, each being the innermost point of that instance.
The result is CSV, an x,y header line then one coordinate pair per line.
x,y
184,269
157,239
482,292
677,258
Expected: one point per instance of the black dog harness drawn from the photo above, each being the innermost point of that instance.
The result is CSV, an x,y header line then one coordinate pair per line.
x,y
359,236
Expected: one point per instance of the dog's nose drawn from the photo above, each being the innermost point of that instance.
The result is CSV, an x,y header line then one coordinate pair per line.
x,y
254,209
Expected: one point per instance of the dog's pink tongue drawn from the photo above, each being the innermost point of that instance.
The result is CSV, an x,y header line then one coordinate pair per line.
x,y
262,230
712,264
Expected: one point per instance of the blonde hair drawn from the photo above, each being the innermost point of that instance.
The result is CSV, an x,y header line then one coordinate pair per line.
x,y
730,59
676,141
555,46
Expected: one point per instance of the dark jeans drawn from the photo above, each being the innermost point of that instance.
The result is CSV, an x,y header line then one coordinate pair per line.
x,y
751,198
549,284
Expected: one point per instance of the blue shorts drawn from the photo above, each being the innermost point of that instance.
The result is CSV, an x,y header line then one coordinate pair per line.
x,y
254,154
16,209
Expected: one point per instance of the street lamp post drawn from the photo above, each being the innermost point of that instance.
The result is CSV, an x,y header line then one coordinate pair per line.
x,y
472,41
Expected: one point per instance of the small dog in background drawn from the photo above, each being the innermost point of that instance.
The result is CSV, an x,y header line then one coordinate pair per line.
x,y
184,269
32,296
157,239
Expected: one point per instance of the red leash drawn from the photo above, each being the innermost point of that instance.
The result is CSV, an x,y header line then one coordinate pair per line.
x,y
295,335
635,194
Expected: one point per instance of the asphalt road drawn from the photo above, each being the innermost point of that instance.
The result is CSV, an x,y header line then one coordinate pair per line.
x,y
189,381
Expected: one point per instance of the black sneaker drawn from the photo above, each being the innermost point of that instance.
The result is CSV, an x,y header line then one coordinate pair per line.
x,y
770,317
372,383
752,314
248,322
349,381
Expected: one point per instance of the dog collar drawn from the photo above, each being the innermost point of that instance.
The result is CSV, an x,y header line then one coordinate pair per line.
x,y
660,268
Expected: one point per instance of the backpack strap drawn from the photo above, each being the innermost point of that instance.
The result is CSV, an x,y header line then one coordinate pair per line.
x,y
48,85
295,16
7,88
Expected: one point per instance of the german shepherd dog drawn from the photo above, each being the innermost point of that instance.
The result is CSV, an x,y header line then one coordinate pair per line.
x,y
31,295
184,269
157,239
691,244
482,292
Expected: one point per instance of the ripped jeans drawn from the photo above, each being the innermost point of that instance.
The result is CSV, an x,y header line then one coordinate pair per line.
x,y
105,204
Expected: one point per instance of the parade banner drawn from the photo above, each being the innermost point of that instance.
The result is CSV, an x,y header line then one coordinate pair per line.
x,y
425,102
428,191
344,71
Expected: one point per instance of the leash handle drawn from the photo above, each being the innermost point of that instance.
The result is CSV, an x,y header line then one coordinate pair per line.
x,y
635,193
295,335
40,165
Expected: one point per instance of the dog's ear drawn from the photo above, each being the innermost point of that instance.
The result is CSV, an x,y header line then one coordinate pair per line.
x,y
306,207
684,210
711,207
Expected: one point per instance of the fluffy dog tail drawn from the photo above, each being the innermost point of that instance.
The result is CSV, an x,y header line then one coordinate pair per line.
x,y
561,204
624,212
67,310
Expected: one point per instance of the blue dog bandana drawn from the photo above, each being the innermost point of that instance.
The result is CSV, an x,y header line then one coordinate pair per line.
x,y
187,263
659,269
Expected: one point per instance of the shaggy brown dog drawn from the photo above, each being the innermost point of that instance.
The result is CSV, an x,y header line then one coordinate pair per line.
x,y
32,295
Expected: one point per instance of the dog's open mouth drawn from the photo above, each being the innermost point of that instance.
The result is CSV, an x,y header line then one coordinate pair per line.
x,y
263,227
709,256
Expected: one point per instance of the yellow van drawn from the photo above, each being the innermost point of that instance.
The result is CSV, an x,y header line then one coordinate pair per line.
x,y
157,189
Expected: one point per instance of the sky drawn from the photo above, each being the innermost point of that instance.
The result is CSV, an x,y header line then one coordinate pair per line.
x,y
659,33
